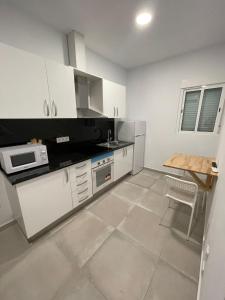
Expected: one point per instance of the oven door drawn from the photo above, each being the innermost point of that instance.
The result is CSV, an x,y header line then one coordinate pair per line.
x,y
102,176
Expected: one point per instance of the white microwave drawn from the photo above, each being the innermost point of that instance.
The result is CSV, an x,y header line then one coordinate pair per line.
x,y
18,158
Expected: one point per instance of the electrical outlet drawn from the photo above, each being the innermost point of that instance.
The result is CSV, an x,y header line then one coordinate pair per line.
x,y
62,139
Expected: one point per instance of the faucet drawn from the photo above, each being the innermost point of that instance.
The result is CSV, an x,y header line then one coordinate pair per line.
x,y
109,136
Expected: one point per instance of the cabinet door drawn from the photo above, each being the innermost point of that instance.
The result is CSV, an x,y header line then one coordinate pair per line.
x,y
129,152
109,99
120,101
61,90
123,162
114,99
23,88
44,200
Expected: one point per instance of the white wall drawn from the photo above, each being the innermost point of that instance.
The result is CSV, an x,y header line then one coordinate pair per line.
x,y
102,67
24,31
21,30
213,286
154,95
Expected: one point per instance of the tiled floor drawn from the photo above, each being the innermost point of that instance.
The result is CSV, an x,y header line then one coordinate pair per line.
x,y
127,245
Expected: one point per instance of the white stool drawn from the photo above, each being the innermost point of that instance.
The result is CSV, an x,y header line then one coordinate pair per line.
x,y
185,192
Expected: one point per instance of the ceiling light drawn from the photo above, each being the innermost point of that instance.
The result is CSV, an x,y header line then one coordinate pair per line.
x,y
143,19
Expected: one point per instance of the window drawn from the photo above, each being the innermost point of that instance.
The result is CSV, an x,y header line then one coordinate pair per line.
x,y
201,109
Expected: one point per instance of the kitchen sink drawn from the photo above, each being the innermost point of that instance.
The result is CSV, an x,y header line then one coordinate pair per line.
x,y
112,144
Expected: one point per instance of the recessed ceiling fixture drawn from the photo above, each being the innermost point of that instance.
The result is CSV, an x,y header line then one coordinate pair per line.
x,y
143,19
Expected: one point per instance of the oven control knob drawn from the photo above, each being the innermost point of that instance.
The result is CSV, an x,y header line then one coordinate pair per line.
x,y
98,163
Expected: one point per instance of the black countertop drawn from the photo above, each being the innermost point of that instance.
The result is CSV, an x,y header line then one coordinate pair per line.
x,y
61,158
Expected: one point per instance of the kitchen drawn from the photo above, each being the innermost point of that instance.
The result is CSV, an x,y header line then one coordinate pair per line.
x,y
85,134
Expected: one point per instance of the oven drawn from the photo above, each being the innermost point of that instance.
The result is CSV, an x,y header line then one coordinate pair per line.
x,y
102,171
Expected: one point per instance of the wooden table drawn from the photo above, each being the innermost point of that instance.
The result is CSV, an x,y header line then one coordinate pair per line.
x,y
194,165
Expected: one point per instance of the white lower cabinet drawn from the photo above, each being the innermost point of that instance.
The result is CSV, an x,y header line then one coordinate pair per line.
x,y
123,162
39,202
44,200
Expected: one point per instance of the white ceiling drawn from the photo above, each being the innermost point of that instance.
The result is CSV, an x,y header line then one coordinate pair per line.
x,y
178,26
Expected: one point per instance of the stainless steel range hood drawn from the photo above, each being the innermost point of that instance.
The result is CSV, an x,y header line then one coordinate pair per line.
x,y
88,87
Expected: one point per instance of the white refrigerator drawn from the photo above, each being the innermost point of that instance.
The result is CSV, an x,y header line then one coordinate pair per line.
x,y
134,131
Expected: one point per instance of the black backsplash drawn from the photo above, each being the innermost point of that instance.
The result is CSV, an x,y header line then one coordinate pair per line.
x,y
19,131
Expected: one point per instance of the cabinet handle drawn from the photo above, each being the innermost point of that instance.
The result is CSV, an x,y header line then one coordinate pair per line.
x,y
79,167
46,108
82,183
83,191
78,176
126,151
117,111
83,199
54,109
67,175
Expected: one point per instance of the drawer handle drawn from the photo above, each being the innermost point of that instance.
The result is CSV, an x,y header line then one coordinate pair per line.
x,y
78,176
79,167
82,183
83,191
83,199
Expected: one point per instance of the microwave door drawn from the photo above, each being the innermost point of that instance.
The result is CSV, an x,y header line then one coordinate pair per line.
x,y
22,159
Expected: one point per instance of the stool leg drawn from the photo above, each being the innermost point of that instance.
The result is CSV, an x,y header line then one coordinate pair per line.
x,y
203,201
190,222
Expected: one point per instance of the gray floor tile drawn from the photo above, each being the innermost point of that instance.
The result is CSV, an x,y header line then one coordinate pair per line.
x,y
143,226
121,270
168,284
82,237
183,255
129,191
159,187
37,276
152,173
12,244
178,221
79,287
142,180
158,204
111,209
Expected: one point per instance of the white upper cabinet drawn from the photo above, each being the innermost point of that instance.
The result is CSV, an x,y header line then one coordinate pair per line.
x,y
61,90
114,99
23,88
33,88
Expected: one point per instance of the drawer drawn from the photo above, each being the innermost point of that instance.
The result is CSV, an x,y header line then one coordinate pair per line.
x,y
78,187
81,196
84,194
82,167
79,179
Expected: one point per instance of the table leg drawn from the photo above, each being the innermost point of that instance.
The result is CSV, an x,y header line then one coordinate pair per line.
x,y
198,180
209,181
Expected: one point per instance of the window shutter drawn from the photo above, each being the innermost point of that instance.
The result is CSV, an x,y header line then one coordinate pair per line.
x,y
209,109
190,110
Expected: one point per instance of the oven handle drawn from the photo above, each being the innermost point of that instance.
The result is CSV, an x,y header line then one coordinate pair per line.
x,y
99,168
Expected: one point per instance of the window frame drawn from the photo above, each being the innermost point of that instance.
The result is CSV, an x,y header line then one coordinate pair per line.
x,y
219,112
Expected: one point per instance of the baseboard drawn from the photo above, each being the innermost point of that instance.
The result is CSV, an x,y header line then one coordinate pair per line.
x,y
7,224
